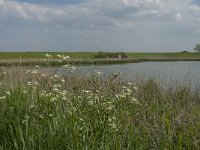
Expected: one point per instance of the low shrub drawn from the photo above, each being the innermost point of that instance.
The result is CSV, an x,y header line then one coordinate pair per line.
x,y
101,54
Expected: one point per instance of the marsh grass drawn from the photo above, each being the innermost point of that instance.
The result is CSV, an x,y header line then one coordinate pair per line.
x,y
42,111
89,61
87,55
82,58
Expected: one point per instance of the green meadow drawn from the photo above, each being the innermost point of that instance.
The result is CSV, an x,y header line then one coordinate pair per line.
x,y
39,110
81,58
40,55
89,55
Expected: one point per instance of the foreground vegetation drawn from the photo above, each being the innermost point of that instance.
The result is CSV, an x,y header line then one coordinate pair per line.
x,y
81,58
46,111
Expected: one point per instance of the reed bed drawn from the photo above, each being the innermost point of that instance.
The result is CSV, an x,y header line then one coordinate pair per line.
x,y
46,111
54,62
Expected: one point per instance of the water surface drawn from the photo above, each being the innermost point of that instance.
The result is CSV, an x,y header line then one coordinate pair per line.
x,y
169,71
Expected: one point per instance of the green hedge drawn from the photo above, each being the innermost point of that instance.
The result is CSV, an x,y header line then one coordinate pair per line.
x,y
101,54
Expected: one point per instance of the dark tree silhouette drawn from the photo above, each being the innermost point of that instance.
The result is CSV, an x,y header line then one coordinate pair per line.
x,y
197,48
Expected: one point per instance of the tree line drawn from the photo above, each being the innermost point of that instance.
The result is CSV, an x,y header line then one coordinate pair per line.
x,y
197,48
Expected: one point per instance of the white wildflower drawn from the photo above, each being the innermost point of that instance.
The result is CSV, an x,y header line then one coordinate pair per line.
x,y
135,88
62,80
24,92
133,99
55,76
34,71
79,97
50,115
55,89
96,98
90,102
53,99
32,106
43,75
65,66
3,98
29,83
64,98
28,71
36,66
98,73
48,56
122,96
110,108
130,84
65,58
113,125
86,91
57,86
73,67
124,87
128,91
117,96
7,92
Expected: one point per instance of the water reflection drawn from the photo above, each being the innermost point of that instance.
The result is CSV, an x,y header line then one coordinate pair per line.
x,y
180,71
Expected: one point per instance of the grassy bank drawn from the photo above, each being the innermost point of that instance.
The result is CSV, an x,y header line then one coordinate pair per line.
x,y
32,58
40,55
87,55
41,111
55,62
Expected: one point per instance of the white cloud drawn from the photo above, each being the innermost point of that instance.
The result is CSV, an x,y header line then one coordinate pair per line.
x,y
95,19
98,11
178,16
194,10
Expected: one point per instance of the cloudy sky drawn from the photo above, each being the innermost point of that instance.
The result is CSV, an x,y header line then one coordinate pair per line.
x,y
93,25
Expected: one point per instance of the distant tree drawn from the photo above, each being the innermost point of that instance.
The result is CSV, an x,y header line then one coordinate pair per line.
x,y
197,48
101,54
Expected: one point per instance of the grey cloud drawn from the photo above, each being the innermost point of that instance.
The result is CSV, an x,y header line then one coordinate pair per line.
x,y
96,24
94,12
194,10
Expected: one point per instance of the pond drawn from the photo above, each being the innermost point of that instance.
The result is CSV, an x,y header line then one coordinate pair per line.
x,y
165,71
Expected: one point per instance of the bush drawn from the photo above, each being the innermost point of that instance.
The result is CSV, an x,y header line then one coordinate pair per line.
x,y
101,54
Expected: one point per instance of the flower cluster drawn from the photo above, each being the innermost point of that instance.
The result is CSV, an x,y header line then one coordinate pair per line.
x,y
69,67
62,58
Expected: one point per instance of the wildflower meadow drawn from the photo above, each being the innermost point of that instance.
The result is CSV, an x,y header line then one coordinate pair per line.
x,y
41,110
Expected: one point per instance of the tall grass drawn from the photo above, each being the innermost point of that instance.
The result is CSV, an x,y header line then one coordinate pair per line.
x,y
54,62
82,58
43,111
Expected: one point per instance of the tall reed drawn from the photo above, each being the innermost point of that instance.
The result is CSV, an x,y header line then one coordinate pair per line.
x,y
47,111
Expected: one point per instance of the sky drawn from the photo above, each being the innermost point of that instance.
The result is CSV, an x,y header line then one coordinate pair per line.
x,y
99,25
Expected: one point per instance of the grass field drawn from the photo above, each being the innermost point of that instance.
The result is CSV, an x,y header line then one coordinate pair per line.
x,y
81,58
46,111
179,54
87,55
40,55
